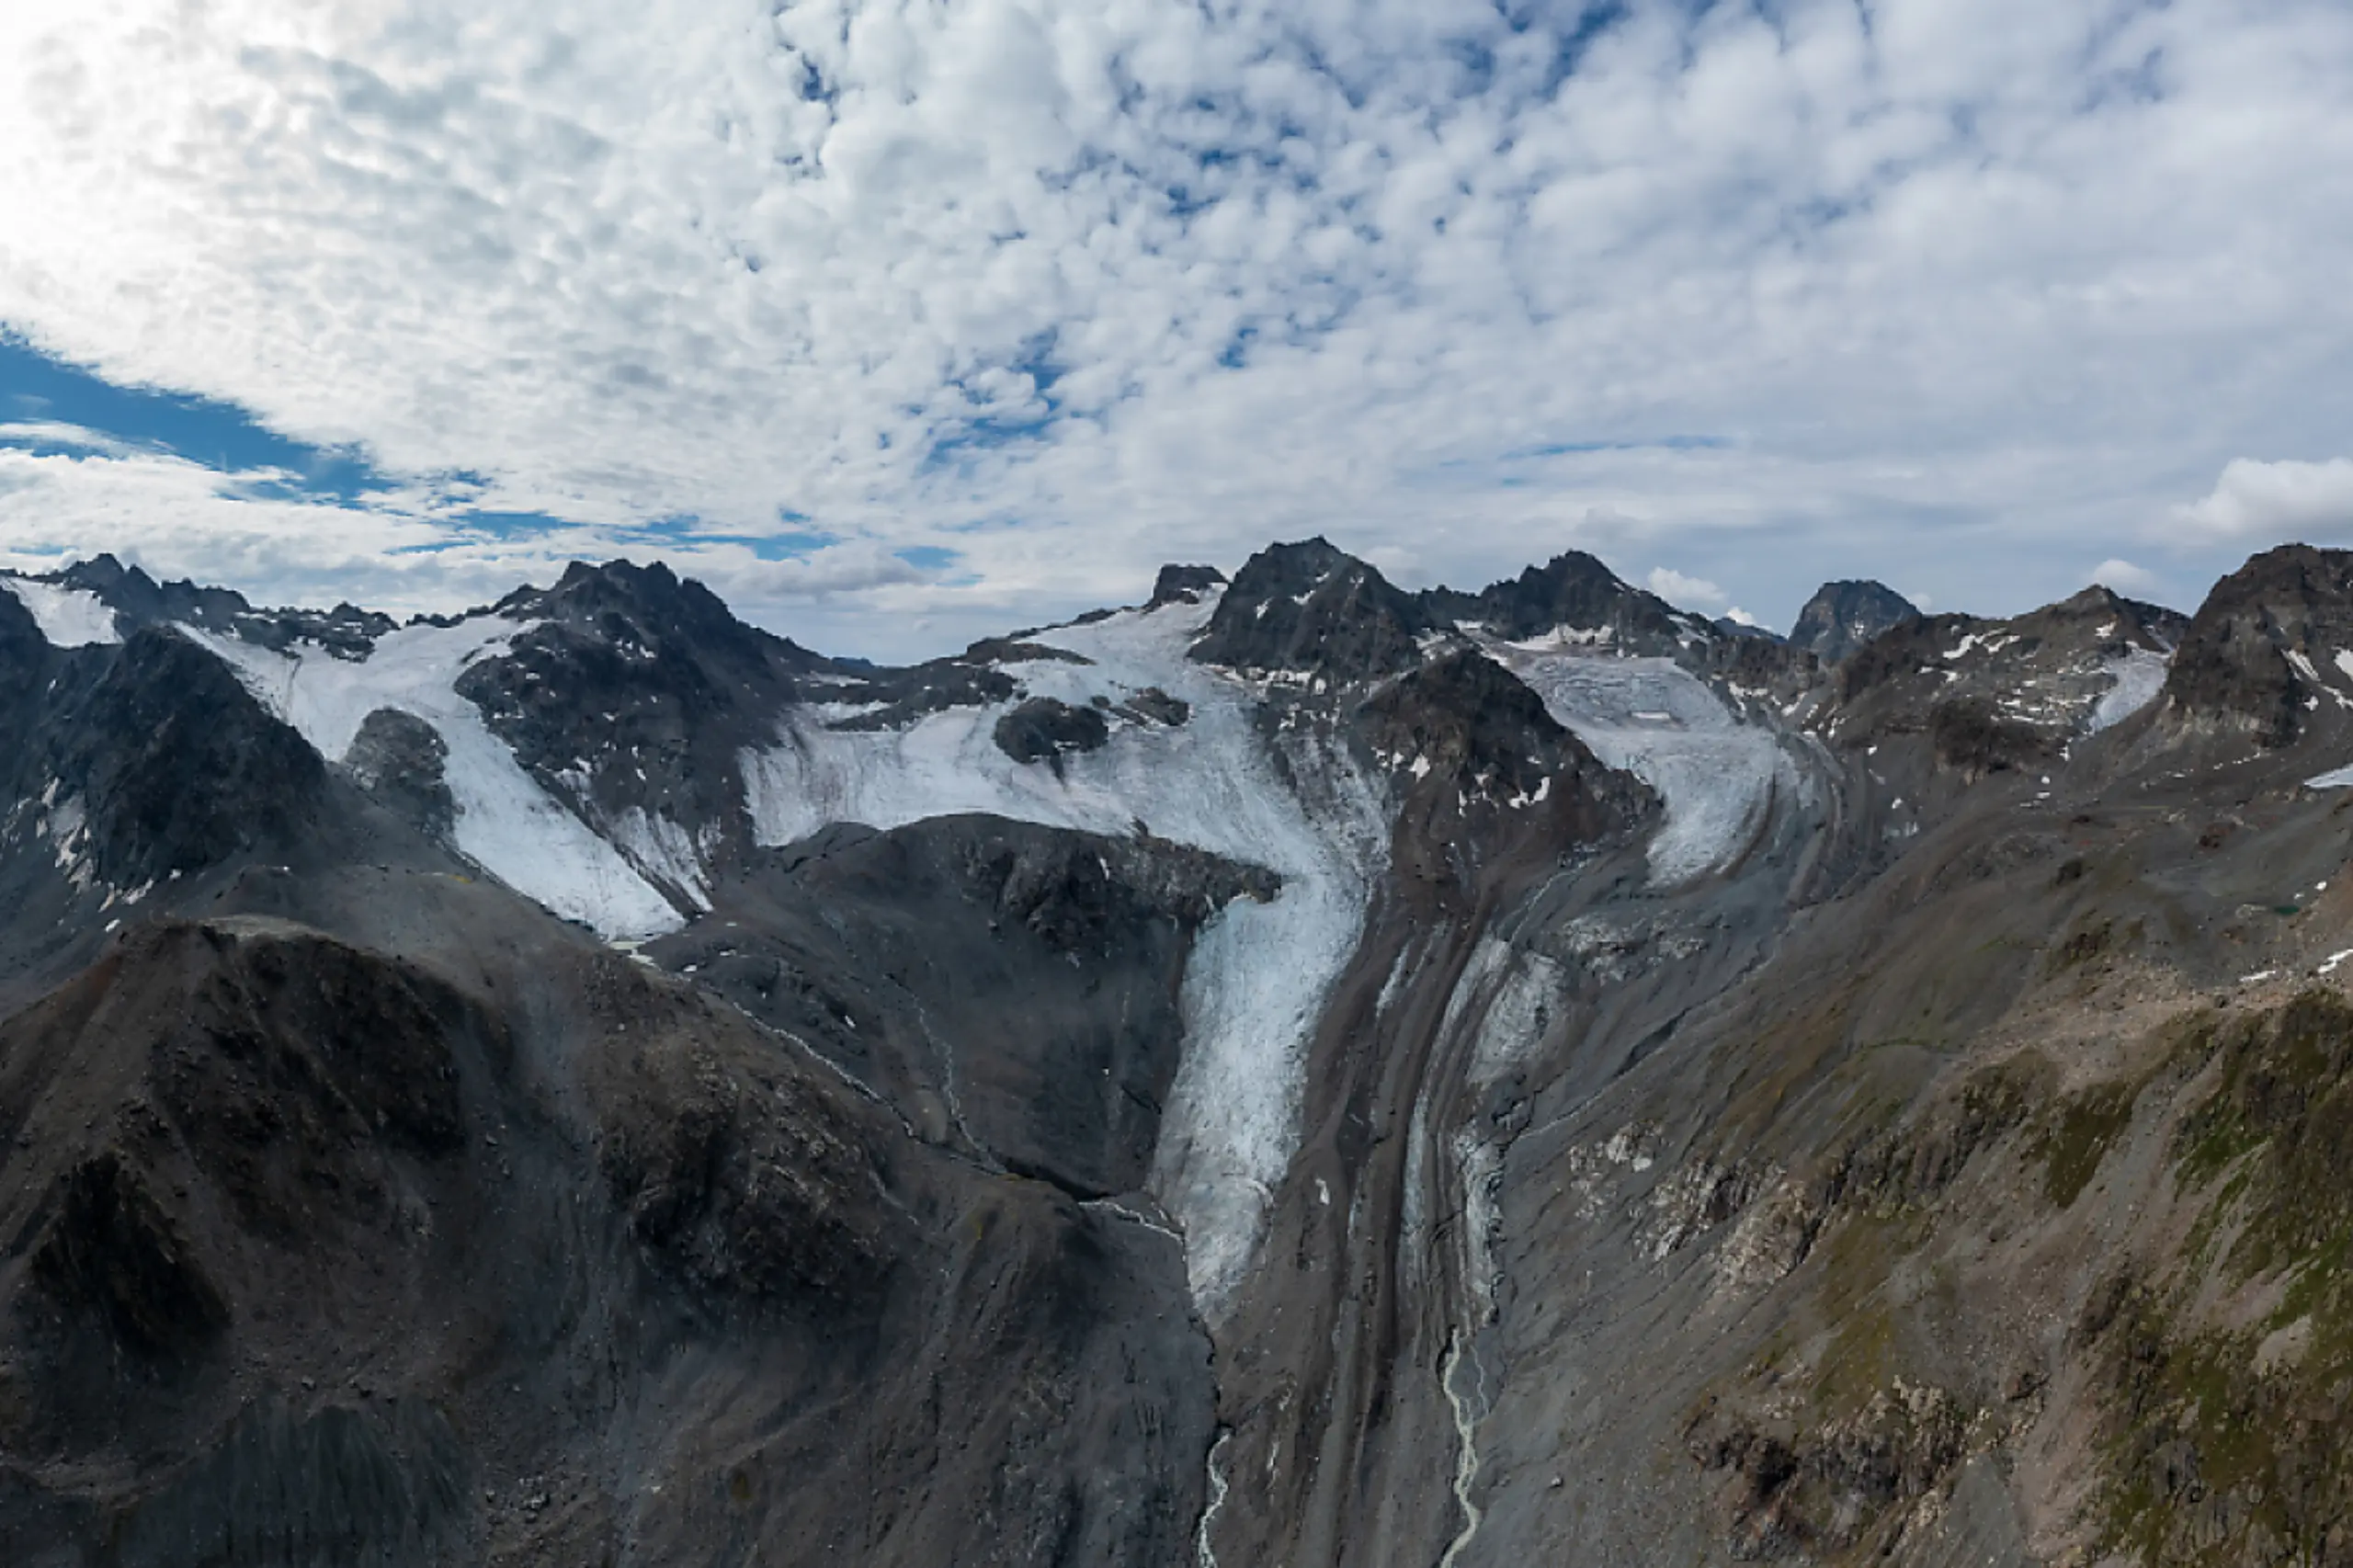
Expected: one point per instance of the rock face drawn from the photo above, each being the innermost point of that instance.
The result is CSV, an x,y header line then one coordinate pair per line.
x,y
2262,652
167,765
403,761
1184,585
1062,957
1045,730
1576,592
1307,609
1842,616
1297,1071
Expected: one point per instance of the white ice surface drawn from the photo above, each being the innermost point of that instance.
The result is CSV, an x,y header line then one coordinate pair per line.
x,y
1660,722
69,618
1260,973
2139,675
506,823
667,851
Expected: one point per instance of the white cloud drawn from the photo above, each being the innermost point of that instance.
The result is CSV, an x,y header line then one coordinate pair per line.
x,y
1678,589
1072,286
2124,577
1740,617
2311,500
181,519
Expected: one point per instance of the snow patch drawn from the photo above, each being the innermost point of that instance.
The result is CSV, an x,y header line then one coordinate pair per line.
x,y
2139,675
506,823
68,618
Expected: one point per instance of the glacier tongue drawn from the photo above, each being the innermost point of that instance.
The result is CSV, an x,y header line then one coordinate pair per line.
x,y
1660,722
506,823
1258,974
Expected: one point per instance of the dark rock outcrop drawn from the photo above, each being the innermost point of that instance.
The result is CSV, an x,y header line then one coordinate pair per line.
x,y
399,758
644,683
1843,615
1574,592
110,1253
1058,955
1045,730
172,763
1310,610
1996,694
1183,585
2262,650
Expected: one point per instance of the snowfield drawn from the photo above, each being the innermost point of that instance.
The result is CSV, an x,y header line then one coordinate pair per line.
x,y
2139,675
1655,719
69,618
1258,974
506,823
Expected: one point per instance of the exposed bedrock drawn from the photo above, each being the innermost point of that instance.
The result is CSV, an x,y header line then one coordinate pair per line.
x,y
1013,990
1842,616
2268,648
170,764
514,1251
403,761
1044,729
1312,609
632,691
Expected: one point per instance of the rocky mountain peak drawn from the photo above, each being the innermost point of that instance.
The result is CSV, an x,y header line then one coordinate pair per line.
x,y
1575,593
1843,615
2272,642
1183,585
1310,608
139,600
2002,695
651,607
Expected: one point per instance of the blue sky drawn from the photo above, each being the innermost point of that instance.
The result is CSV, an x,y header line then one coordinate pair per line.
x,y
901,322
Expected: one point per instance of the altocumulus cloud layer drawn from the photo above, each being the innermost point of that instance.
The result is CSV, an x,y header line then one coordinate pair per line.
x,y
889,317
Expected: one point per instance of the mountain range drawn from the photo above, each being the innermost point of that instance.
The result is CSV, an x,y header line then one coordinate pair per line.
x,y
1295,1071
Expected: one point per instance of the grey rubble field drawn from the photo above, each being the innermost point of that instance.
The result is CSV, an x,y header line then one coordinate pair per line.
x,y
1297,1072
